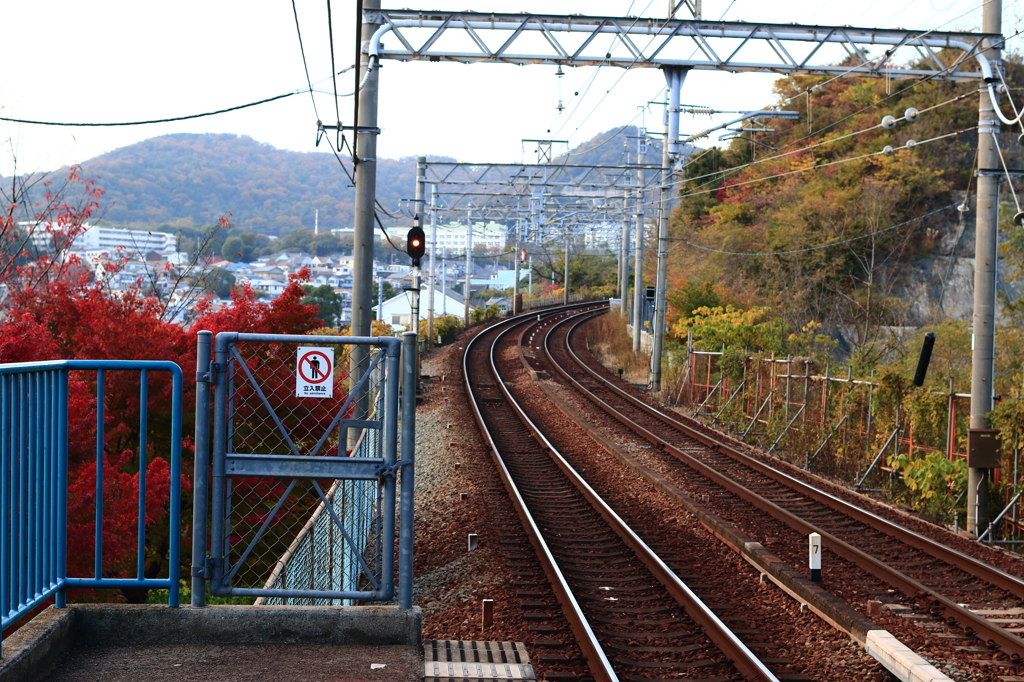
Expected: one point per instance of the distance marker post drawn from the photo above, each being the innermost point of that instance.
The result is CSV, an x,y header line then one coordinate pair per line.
x,y
814,557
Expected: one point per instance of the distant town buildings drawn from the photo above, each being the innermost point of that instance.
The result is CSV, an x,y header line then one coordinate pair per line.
x,y
125,259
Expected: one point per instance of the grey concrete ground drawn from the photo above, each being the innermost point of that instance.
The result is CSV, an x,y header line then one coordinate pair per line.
x,y
240,663
230,643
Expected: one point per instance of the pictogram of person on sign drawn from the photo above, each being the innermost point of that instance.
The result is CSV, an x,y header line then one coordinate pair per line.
x,y
315,364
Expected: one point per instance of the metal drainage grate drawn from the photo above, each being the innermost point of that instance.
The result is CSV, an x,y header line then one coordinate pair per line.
x,y
450,660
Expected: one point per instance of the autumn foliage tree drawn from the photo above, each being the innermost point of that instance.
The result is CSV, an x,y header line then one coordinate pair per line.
x,y
55,309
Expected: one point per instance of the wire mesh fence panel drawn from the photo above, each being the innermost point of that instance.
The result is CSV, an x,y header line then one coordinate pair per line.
x,y
307,472
821,417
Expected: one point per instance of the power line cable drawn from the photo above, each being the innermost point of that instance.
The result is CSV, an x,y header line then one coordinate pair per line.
x,y
624,72
334,77
305,67
156,120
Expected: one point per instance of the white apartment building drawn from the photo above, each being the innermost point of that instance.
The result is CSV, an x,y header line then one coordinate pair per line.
x,y
452,237
109,240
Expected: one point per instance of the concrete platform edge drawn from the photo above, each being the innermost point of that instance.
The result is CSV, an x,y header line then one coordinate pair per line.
x,y
42,642
37,646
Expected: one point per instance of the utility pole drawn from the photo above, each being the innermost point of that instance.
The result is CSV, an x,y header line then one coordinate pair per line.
x,y
432,280
365,212
675,75
985,266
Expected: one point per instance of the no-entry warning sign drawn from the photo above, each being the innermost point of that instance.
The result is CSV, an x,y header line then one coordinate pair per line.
x,y
314,373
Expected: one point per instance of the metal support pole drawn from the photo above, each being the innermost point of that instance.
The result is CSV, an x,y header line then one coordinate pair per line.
x,y
380,298
675,76
638,276
419,211
416,327
201,488
219,376
365,213
405,532
565,281
432,279
517,264
624,256
985,266
469,268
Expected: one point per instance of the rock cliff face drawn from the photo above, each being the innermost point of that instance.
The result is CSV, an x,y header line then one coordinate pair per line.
x,y
941,286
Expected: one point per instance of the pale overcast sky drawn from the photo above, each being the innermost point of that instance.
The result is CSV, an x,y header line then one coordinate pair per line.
x,y
118,60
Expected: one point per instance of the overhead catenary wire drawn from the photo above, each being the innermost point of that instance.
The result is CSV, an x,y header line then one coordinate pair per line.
x,y
917,82
1009,180
828,164
783,154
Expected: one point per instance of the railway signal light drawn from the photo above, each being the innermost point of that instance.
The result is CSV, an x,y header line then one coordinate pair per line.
x,y
416,245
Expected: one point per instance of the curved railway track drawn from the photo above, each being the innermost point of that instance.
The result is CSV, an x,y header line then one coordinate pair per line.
x,y
631,616
948,586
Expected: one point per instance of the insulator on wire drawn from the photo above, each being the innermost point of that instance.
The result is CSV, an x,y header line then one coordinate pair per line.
x,y
889,122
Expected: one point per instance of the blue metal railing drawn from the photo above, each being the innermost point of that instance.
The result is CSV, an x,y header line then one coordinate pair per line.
x,y
34,483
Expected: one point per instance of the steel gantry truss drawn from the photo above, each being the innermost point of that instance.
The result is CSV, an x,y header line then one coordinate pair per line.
x,y
542,175
736,46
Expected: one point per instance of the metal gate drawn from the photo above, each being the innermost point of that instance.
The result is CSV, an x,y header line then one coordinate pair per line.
x,y
302,486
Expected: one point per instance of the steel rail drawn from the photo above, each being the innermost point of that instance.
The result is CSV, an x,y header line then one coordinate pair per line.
x,y
728,643
597,661
953,612
1006,581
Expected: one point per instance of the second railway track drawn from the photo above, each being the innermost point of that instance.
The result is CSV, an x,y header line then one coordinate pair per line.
x,y
956,593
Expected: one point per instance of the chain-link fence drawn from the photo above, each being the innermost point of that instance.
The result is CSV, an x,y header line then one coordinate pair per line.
x,y
823,418
318,559
304,467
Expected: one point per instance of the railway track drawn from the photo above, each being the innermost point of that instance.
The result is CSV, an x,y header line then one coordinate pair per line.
x,y
631,616
960,597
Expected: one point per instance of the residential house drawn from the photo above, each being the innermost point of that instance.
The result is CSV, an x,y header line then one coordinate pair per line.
x,y
397,311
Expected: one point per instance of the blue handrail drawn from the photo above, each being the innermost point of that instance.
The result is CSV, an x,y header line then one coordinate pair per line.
x,y
34,483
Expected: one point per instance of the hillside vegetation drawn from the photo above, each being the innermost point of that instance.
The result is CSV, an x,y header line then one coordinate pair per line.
x,y
813,226
199,178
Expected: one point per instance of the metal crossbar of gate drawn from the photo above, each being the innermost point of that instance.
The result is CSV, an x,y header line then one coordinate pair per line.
x,y
304,468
